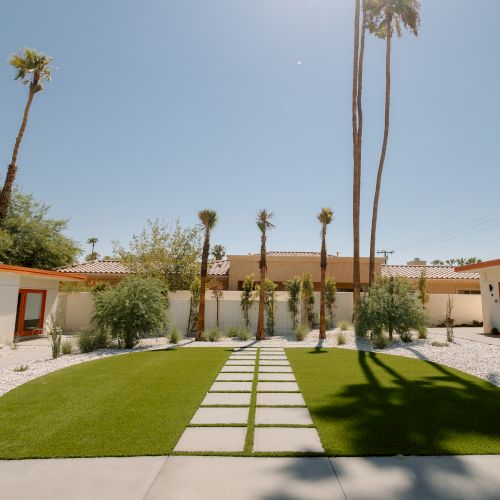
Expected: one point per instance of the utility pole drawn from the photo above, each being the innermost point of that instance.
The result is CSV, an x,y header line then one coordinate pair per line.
x,y
386,254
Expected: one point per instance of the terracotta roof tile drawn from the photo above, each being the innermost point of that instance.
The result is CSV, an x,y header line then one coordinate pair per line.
x,y
219,268
431,272
97,267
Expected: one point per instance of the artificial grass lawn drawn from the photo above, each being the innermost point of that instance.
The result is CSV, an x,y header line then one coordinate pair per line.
x,y
374,404
134,404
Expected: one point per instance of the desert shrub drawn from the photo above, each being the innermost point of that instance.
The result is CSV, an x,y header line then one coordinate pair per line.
x,y
301,332
204,336
244,334
175,336
21,368
380,341
341,338
232,332
406,337
134,309
55,337
450,336
194,303
307,296
436,343
391,306
247,297
100,286
330,299
422,333
67,347
344,325
214,335
270,305
91,340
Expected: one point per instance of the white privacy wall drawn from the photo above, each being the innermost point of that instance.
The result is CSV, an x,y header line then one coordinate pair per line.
x,y
77,310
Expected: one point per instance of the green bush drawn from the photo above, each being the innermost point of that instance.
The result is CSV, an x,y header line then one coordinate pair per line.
x,y
232,332
292,286
204,336
134,309
390,306
341,338
380,341
422,333
67,347
214,335
344,325
21,368
244,334
301,332
175,336
436,343
90,340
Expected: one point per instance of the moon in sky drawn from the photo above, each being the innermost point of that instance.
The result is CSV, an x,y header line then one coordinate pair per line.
x,y
299,62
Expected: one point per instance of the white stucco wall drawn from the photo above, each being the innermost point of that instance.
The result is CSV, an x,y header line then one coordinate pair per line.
x,y
9,289
490,277
78,309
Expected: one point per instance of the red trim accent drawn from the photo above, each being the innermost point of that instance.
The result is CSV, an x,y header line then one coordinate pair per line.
x,y
21,332
41,272
478,265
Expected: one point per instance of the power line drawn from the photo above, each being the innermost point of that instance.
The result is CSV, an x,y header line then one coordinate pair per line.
x,y
385,253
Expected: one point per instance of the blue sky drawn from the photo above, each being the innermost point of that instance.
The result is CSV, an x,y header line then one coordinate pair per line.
x,y
160,108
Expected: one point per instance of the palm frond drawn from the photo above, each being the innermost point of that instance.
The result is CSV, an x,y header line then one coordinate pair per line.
x,y
31,66
325,216
208,218
264,220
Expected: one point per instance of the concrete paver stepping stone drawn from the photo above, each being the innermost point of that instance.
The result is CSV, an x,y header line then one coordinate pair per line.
x,y
288,416
224,415
275,358
289,377
268,362
275,386
214,439
247,358
235,377
283,439
234,369
231,387
242,362
227,398
280,398
275,369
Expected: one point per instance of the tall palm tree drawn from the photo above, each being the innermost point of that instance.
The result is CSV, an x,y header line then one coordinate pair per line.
x,y
325,217
357,136
32,69
208,219
385,17
264,224
92,241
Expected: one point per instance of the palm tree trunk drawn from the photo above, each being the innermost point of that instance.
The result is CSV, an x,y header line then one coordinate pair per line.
x,y
12,169
263,265
384,149
203,278
322,329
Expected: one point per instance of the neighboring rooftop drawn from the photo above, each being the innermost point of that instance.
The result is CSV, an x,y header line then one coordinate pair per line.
x,y
431,272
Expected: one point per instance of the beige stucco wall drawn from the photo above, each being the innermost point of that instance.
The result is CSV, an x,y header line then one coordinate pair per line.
x,y
282,268
9,289
466,308
490,298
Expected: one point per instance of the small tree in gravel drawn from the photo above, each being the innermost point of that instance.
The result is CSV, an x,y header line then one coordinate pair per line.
x,y
193,306
390,306
292,286
270,305
134,309
330,298
307,295
217,289
247,298
450,336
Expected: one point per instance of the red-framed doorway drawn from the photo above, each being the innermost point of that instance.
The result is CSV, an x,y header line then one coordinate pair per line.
x,y
30,312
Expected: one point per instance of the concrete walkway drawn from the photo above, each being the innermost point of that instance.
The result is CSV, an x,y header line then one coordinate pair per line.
x,y
252,478
470,333
27,350
254,406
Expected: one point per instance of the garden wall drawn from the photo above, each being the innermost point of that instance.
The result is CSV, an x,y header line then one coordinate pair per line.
x,y
77,308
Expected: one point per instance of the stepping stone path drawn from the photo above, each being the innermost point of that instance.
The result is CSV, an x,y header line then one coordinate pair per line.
x,y
254,406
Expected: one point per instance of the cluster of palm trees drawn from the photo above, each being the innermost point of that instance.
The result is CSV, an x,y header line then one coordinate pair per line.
x,y
208,220
381,18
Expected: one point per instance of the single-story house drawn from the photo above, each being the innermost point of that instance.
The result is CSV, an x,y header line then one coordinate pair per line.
x,y
489,276
28,300
282,266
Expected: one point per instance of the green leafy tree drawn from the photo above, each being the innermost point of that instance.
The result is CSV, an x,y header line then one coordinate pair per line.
x,y
330,298
264,224
384,17
293,286
217,289
30,238
194,302
169,253
218,252
325,217
247,298
391,306
32,69
270,305
208,219
307,296
134,309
